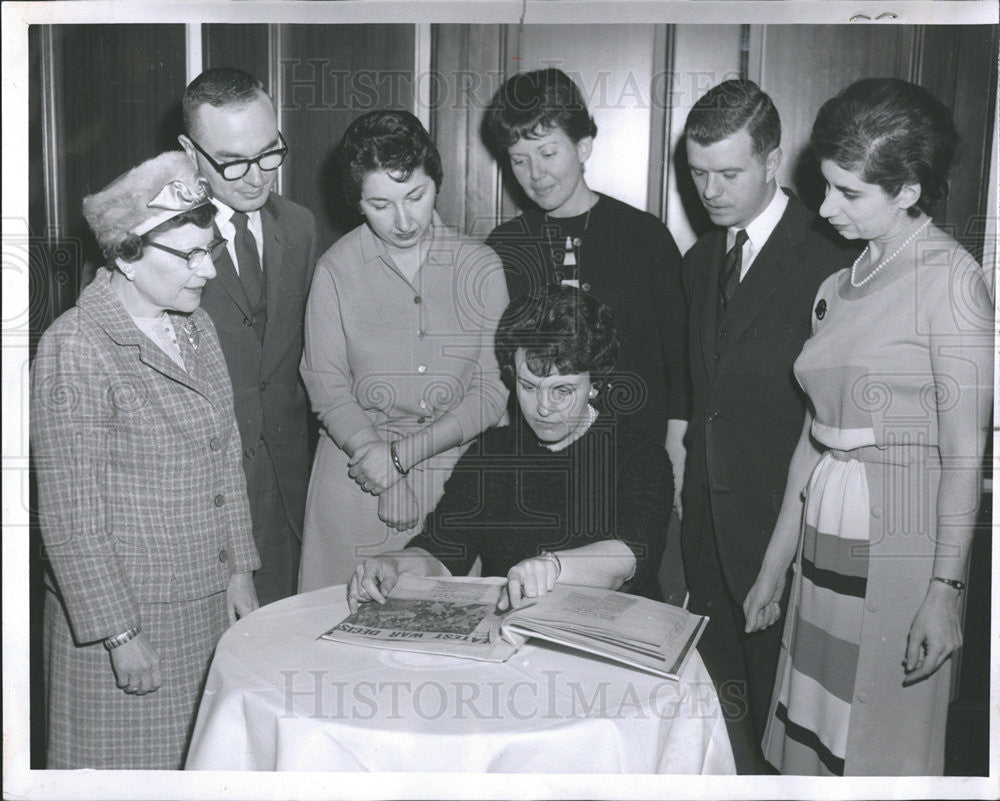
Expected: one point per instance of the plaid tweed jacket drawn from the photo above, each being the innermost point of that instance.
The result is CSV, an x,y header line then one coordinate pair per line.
x,y
141,493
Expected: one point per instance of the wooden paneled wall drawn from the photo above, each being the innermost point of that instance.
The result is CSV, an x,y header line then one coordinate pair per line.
x,y
959,65
321,77
802,66
470,62
703,56
104,97
329,75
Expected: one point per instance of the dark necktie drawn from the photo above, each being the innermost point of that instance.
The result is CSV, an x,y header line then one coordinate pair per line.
x,y
248,259
731,269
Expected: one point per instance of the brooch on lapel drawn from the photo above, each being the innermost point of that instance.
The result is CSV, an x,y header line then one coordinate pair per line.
x,y
193,333
821,309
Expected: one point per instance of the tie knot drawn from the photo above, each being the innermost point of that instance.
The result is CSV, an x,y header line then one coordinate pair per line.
x,y
741,237
240,220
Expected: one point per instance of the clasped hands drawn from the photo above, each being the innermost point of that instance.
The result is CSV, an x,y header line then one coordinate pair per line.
x,y
374,579
372,468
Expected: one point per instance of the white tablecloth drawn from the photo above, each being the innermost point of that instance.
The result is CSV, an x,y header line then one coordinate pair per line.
x,y
277,698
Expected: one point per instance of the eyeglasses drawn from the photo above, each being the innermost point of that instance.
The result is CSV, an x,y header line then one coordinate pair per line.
x,y
234,170
195,256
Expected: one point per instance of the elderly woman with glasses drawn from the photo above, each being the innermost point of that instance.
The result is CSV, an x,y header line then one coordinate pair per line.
x,y
141,496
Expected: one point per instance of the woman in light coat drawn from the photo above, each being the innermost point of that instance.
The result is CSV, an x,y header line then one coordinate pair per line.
x,y
141,494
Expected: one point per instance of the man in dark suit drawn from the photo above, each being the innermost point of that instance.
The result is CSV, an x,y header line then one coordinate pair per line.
x,y
257,303
750,286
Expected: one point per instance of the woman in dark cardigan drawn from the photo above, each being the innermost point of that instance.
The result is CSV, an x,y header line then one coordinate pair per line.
x,y
538,123
567,493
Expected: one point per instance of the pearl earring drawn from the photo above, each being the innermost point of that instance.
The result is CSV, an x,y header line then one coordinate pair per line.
x,y
126,268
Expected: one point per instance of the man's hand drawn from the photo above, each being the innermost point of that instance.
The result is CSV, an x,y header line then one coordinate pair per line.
x,y
762,606
676,429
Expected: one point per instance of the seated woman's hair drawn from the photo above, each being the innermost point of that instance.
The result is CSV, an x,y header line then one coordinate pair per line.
x,y
562,330
132,246
894,132
393,141
535,102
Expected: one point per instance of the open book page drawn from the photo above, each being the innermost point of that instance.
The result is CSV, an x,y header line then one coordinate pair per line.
x,y
458,617
451,616
630,629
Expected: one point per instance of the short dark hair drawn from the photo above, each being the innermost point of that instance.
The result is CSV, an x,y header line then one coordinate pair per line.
x,y
219,86
894,132
394,141
533,101
132,247
562,330
729,107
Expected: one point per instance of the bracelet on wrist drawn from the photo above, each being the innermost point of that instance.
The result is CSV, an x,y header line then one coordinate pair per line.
x,y
958,585
395,460
120,639
552,555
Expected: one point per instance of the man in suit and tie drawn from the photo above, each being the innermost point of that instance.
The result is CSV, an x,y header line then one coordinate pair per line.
x,y
257,303
750,286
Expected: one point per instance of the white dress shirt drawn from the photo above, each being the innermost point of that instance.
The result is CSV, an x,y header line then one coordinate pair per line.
x,y
759,230
224,222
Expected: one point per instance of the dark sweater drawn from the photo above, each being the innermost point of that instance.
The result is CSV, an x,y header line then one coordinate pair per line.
x,y
510,498
628,259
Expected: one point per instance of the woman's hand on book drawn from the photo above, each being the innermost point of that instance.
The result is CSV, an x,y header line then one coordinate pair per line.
x,y
530,578
373,580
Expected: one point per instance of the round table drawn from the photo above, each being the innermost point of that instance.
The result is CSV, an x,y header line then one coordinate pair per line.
x,y
278,698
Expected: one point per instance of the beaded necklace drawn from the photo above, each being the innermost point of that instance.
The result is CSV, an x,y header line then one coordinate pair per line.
x,y
885,261
571,256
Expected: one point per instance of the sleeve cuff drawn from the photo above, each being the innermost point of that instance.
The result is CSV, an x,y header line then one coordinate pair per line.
x,y
344,422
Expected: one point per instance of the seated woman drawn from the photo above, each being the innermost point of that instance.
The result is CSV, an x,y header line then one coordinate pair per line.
x,y
565,494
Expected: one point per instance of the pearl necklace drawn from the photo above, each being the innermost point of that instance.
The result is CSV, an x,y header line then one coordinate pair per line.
x,y
582,429
885,261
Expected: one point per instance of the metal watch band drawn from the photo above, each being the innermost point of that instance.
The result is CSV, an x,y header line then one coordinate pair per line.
x,y
120,639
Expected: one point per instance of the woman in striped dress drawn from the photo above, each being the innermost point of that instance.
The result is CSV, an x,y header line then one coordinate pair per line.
x,y
899,374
